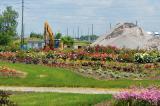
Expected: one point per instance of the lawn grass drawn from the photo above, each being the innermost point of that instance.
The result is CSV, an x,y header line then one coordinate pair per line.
x,y
59,77
58,99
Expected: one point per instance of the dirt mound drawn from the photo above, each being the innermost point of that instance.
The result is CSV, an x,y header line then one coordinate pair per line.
x,y
126,35
154,43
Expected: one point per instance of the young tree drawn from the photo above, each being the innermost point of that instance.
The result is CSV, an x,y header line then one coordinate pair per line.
x,y
87,37
67,40
36,35
58,35
8,25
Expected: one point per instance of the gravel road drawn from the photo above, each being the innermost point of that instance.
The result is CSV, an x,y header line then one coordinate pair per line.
x,y
62,90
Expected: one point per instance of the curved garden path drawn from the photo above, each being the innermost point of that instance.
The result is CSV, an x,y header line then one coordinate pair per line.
x,y
62,90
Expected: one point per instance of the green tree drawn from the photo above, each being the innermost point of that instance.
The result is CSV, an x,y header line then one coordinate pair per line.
x,y
4,39
8,25
67,40
58,35
89,37
35,35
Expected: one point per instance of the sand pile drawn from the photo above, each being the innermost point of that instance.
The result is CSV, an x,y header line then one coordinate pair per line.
x,y
127,35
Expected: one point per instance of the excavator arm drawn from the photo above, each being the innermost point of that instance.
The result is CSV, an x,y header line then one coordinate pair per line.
x,y
48,36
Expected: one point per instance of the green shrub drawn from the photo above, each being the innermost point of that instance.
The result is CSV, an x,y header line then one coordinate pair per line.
x,y
125,57
4,99
143,58
50,55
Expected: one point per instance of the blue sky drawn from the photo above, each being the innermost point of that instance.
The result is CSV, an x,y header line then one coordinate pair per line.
x,y
83,13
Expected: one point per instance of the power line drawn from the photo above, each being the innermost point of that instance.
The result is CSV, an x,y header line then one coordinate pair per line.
x,y
85,17
86,7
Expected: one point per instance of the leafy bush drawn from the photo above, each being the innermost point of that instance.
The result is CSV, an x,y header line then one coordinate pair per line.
x,y
157,57
125,57
50,55
21,54
102,49
138,58
147,58
143,58
36,60
11,48
4,99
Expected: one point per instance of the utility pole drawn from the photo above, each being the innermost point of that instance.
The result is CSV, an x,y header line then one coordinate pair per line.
x,y
67,31
73,33
89,37
22,27
136,23
92,30
78,32
88,31
81,33
110,25
106,30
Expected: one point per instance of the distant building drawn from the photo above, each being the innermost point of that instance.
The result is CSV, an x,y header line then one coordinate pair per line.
x,y
80,44
35,44
39,44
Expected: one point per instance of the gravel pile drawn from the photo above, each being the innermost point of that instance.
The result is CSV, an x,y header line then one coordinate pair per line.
x,y
127,35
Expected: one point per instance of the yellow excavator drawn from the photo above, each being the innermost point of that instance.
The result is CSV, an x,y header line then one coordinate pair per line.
x,y
48,37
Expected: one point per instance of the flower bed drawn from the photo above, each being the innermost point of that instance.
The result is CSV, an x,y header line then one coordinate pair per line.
x,y
97,53
138,97
7,55
121,63
7,72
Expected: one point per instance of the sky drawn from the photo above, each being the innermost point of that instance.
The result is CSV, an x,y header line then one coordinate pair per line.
x,y
71,14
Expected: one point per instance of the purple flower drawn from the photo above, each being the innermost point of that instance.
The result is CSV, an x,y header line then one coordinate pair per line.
x,y
151,95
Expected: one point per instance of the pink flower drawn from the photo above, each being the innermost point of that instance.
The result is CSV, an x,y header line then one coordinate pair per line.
x,y
149,95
